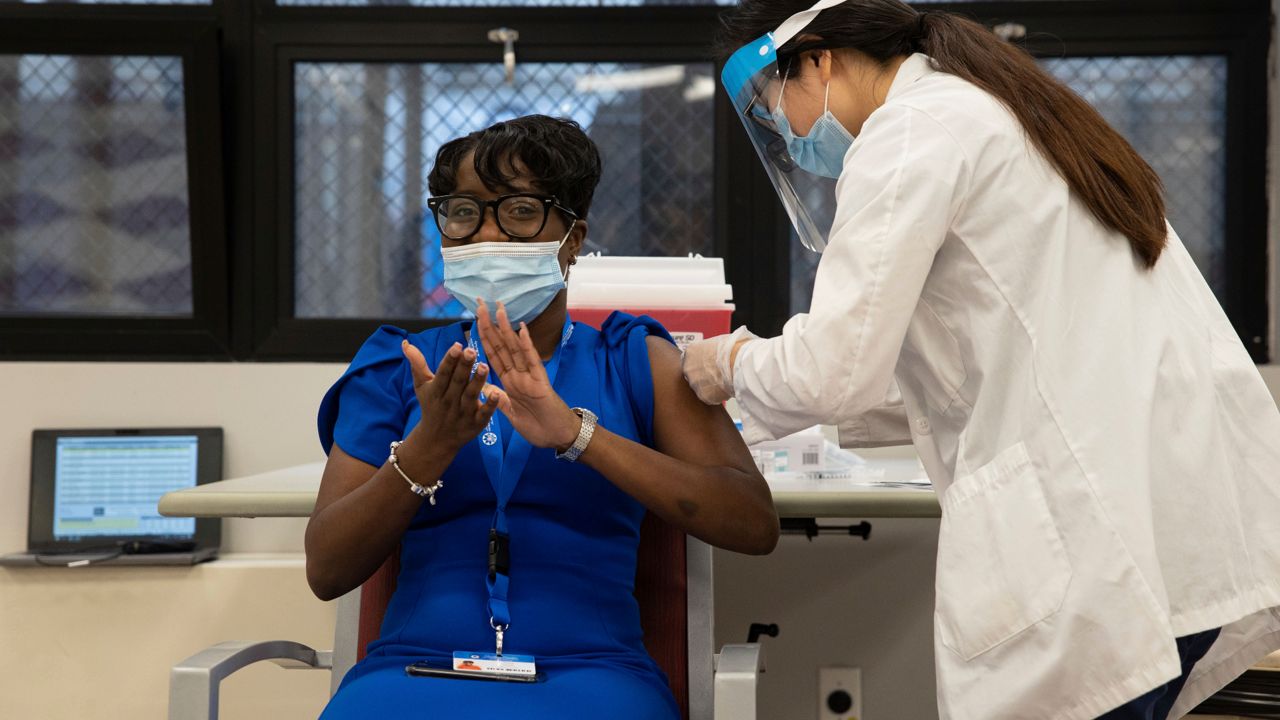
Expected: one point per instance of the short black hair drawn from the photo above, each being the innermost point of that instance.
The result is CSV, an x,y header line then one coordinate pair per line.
x,y
559,157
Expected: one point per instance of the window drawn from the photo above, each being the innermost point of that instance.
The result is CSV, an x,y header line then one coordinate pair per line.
x,y
111,212
1182,90
363,109
93,187
356,121
1173,109
245,179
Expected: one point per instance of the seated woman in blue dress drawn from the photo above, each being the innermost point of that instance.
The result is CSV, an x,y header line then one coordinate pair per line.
x,y
522,464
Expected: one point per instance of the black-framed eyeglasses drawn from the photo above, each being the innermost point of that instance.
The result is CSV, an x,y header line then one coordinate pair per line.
x,y
519,215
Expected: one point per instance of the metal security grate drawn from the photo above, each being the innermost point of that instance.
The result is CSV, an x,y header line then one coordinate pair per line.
x,y
93,186
1173,110
366,135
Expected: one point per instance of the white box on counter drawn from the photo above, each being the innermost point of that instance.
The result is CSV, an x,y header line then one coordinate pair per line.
x,y
801,452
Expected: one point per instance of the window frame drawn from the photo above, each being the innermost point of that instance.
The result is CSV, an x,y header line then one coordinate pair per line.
x,y
1226,28
1238,30
191,33
237,62
411,35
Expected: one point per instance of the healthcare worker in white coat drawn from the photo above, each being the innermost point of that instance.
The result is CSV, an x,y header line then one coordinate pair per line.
x,y
1106,454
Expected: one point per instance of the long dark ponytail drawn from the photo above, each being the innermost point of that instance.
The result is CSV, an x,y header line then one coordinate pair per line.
x,y
1098,164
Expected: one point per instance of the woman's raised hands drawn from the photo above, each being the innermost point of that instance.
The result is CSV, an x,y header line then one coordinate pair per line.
x,y
452,411
530,402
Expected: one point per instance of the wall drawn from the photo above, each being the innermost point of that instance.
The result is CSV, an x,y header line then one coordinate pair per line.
x,y
267,412
99,641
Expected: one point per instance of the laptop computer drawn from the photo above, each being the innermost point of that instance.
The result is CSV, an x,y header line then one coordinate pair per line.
x,y
94,494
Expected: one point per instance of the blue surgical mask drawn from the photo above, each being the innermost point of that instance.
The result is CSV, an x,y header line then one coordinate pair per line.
x,y
822,151
524,276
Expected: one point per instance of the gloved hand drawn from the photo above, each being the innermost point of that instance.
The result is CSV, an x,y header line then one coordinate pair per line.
x,y
708,368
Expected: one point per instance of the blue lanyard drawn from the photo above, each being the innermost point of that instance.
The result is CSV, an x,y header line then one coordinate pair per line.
x,y
504,470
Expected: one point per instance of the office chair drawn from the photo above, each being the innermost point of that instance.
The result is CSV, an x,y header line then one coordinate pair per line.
x,y
673,588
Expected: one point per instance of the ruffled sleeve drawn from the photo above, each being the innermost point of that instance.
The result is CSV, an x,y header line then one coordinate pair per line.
x,y
625,337
366,409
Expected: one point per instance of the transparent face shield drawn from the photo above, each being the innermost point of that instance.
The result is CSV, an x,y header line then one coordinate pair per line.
x,y
752,78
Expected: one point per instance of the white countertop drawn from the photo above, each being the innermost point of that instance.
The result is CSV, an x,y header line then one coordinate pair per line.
x,y
291,492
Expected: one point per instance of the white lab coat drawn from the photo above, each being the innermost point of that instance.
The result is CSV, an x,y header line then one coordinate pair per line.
x,y
1105,451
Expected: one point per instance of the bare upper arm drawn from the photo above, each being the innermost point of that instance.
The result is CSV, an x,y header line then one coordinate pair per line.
x,y
684,427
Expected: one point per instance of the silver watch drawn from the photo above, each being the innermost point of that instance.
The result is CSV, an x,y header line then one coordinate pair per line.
x,y
584,436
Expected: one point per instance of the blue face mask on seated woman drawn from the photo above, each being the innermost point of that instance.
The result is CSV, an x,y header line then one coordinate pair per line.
x,y
524,276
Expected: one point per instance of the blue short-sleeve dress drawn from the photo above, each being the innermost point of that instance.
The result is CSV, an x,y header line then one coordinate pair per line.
x,y
573,536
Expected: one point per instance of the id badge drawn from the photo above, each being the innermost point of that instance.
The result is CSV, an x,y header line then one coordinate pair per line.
x,y
515,665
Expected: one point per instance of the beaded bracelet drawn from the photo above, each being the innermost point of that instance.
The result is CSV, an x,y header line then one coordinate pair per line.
x,y
420,490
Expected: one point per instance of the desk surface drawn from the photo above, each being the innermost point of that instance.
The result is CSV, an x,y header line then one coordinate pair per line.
x,y
291,492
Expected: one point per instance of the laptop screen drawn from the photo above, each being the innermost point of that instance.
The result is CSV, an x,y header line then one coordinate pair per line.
x,y
98,488
109,486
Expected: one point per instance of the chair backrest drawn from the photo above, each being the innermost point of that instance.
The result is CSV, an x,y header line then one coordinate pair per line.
x,y
673,589
661,592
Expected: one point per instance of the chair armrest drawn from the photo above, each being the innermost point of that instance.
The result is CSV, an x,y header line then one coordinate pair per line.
x,y
738,668
193,683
